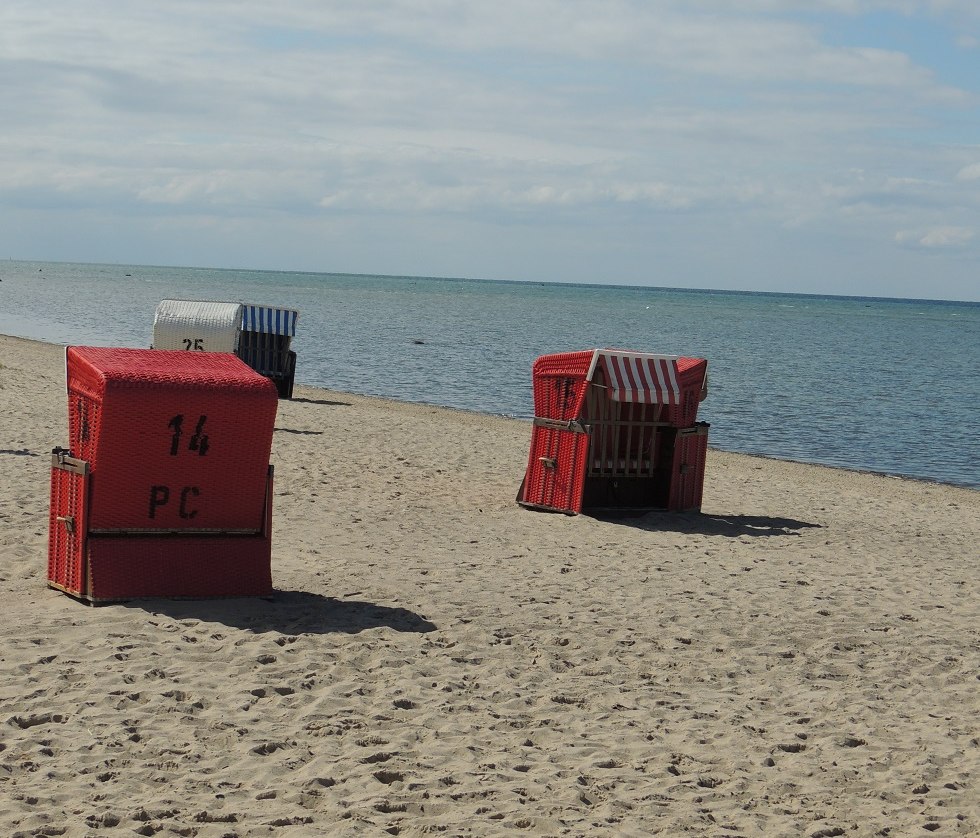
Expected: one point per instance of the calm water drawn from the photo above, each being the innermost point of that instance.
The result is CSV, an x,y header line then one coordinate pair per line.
x,y
883,385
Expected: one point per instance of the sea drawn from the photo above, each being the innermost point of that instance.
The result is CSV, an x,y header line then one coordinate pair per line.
x,y
864,383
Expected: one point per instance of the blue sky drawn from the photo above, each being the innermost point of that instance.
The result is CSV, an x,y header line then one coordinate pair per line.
x,y
822,147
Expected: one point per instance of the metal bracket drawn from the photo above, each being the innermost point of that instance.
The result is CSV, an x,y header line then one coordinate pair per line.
x,y
61,459
561,425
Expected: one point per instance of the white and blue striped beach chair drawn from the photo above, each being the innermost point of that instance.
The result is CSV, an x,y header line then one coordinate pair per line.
x,y
264,344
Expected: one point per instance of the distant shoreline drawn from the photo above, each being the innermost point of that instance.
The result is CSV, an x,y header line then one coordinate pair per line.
x,y
597,285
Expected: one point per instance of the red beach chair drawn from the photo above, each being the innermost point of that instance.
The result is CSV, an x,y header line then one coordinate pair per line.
x,y
615,429
166,488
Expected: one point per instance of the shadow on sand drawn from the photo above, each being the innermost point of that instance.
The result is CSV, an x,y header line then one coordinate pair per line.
x,y
706,524
290,612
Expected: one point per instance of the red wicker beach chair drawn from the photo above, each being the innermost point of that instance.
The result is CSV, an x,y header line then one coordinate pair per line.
x,y
615,429
166,488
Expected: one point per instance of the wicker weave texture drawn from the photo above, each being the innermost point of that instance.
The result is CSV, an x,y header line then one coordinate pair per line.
x,y
692,377
118,565
687,473
65,541
174,440
556,470
200,325
559,384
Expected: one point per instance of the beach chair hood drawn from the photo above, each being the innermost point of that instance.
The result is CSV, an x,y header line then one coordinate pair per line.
x,y
269,320
203,325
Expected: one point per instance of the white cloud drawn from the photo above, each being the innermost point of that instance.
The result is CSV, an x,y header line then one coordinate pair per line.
x,y
938,237
598,115
971,172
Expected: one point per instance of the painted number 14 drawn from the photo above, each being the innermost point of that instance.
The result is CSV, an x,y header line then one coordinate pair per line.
x,y
198,440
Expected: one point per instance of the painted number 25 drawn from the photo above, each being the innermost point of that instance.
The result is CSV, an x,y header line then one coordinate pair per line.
x,y
196,343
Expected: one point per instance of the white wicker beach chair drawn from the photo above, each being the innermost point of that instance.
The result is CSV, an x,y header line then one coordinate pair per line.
x,y
203,325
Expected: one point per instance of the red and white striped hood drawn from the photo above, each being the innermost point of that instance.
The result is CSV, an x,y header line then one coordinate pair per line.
x,y
643,378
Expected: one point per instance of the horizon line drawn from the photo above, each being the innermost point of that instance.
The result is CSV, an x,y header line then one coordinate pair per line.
x,y
628,286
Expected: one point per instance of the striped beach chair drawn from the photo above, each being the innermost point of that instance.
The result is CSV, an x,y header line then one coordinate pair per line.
x,y
258,334
266,334
616,429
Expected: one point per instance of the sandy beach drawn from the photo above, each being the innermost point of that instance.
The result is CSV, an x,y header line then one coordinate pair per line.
x,y
800,659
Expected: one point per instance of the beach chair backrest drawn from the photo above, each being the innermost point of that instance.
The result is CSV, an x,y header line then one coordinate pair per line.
x,y
197,325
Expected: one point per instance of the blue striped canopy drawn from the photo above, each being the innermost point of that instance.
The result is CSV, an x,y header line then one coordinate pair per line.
x,y
270,320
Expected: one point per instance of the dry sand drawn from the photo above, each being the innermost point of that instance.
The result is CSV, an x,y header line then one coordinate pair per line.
x,y
800,659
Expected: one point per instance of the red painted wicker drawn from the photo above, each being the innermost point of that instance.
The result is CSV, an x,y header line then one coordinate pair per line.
x,y
179,566
687,469
609,431
560,384
67,528
174,440
166,488
556,470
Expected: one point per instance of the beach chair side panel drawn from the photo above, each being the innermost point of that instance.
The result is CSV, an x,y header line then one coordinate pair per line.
x,y
556,469
687,474
555,474
67,524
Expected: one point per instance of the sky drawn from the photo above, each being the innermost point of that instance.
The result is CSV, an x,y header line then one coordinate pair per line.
x,y
828,146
